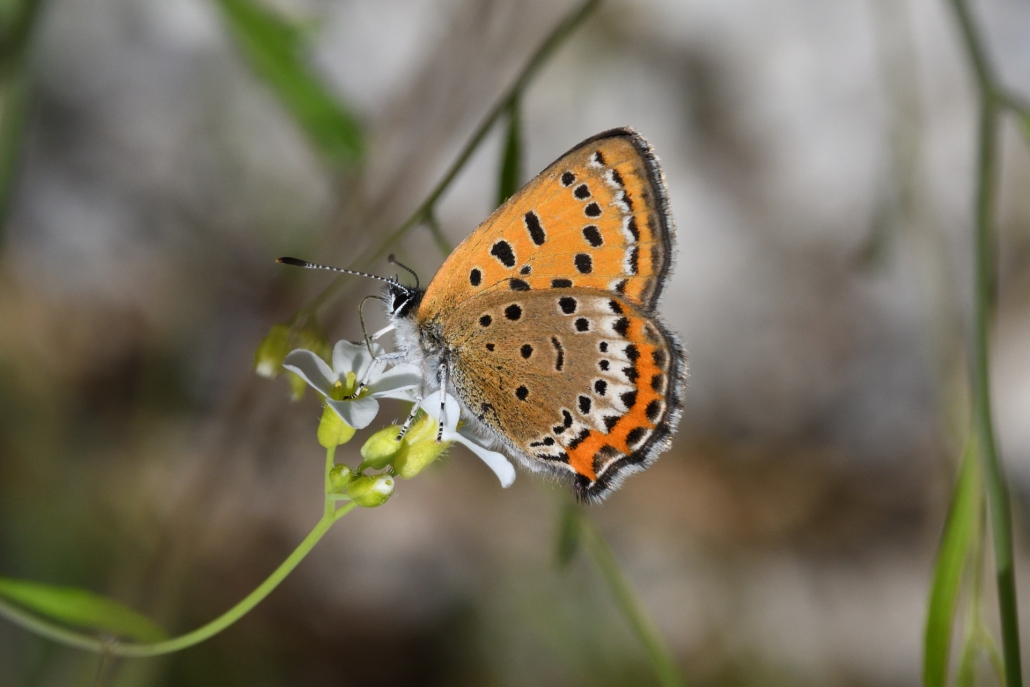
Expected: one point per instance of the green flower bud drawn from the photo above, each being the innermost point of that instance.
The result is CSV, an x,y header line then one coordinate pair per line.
x,y
332,430
381,448
370,491
339,477
419,449
313,338
268,358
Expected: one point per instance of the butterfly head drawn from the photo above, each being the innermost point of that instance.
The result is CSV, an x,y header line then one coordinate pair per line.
x,y
401,301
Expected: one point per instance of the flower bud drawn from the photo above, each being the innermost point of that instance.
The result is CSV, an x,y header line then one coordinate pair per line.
x,y
332,430
268,358
419,448
381,448
339,478
370,491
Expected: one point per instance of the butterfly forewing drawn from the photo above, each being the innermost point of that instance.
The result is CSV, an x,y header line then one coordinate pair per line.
x,y
596,218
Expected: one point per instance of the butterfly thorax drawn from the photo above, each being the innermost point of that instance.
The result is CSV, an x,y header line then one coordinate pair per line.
x,y
421,342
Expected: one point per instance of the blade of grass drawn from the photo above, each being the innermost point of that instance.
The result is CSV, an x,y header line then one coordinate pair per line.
x,y
566,543
275,50
80,608
961,530
645,629
511,161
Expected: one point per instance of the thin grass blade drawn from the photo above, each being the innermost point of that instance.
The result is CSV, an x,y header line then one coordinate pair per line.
x,y
511,162
957,544
566,543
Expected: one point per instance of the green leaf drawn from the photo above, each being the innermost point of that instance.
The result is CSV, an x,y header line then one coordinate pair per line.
x,y
80,608
961,529
570,530
275,50
511,162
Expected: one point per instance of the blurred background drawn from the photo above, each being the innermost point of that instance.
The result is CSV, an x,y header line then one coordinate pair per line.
x,y
820,162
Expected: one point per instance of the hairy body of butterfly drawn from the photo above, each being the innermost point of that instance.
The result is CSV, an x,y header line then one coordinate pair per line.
x,y
543,323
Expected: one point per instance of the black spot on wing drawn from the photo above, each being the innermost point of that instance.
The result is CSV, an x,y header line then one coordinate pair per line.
x,y
584,263
653,410
536,232
518,285
561,283
559,361
593,235
475,277
503,252
580,438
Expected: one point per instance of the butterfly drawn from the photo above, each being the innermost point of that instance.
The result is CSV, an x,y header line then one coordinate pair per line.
x,y
542,323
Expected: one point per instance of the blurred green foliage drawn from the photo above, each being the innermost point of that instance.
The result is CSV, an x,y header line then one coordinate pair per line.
x,y
80,608
275,49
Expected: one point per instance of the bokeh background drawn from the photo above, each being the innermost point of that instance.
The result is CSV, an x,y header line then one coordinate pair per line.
x,y
820,163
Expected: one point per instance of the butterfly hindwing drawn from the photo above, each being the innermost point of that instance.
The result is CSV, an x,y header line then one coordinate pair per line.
x,y
596,218
575,381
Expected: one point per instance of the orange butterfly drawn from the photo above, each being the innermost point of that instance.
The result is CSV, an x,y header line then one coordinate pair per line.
x,y
543,322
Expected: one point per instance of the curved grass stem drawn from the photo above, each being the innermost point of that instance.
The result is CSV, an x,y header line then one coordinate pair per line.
x,y
992,99
631,606
108,647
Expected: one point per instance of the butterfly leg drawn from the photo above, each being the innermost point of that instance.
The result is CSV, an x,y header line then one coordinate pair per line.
x,y
442,376
411,418
386,357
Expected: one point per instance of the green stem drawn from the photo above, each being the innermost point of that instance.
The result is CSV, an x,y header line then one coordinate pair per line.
x,y
536,61
88,642
661,658
994,475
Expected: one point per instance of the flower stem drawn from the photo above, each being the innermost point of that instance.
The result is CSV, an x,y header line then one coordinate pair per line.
x,y
992,98
422,213
645,629
81,640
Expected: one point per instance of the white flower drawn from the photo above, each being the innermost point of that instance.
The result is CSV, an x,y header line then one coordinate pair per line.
x,y
463,435
353,357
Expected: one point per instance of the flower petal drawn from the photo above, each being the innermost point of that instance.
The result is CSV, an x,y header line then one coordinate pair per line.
x,y
398,378
431,404
357,413
311,369
494,460
353,357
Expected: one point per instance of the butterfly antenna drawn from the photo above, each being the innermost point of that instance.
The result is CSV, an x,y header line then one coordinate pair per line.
x,y
296,262
393,261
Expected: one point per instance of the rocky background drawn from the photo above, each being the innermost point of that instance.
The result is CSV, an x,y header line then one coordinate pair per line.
x,y
820,160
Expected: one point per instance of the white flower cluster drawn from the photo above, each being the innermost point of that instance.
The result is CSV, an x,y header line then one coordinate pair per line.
x,y
401,381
